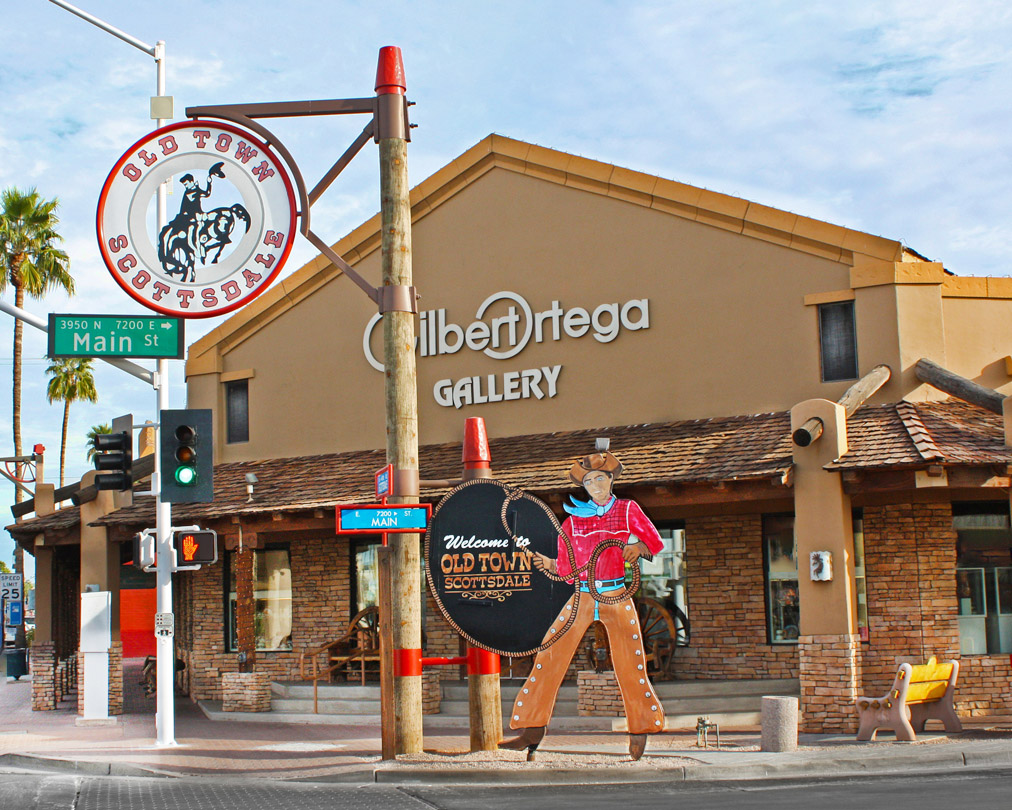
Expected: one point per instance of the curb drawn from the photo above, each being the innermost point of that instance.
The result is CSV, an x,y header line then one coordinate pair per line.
x,y
81,766
820,769
690,775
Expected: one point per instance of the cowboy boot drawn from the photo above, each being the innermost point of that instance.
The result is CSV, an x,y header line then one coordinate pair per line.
x,y
530,738
637,744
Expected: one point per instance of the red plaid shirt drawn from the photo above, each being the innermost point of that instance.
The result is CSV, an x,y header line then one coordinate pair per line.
x,y
623,519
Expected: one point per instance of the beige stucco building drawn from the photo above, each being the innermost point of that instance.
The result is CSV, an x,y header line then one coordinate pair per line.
x,y
564,299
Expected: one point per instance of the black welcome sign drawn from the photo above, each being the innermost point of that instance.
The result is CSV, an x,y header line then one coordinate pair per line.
x,y
480,572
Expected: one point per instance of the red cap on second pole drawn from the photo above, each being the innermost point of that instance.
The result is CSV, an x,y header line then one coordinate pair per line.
x,y
476,454
390,71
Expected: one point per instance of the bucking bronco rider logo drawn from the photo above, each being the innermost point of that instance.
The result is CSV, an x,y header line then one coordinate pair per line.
x,y
193,234
232,232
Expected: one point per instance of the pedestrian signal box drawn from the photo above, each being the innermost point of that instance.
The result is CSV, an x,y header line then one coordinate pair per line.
x,y
195,547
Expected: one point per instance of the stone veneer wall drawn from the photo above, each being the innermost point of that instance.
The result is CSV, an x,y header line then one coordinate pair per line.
x,y
830,681
910,565
432,695
727,607
116,678
983,685
44,677
321,593
598,694
245,692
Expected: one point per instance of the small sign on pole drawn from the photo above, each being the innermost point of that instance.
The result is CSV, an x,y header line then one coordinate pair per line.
x,y
385,481
165,624
13,613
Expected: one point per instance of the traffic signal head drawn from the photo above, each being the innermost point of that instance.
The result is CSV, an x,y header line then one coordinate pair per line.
x,y
115,460
186,450
195,547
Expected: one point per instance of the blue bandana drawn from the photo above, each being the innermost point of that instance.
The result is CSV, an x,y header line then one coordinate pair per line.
x,y
588,508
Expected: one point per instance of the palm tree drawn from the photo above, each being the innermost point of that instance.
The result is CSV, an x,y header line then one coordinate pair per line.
x,y
30,262
96,430
70,380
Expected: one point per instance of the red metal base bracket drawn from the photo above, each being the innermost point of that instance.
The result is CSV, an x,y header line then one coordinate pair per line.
x,y
482,662
407,663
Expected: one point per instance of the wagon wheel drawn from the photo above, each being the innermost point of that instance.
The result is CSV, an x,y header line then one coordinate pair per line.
x,y
367,619
659,635
598,652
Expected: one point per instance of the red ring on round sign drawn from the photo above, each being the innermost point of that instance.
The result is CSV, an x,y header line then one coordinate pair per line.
x,y
259,256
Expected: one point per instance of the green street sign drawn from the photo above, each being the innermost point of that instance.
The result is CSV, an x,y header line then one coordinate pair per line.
x,y
115,336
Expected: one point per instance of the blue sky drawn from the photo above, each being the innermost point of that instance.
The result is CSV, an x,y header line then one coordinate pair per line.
x,y
887,117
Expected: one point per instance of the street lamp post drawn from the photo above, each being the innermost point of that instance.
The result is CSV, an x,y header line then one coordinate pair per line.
x,y
165,708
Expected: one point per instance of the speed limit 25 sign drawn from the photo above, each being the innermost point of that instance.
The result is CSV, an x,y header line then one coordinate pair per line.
x,y
11,587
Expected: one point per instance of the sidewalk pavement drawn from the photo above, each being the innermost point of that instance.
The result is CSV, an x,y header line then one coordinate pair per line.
x,y
343,753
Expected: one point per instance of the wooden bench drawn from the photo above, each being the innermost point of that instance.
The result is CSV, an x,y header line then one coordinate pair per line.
x,y
918,694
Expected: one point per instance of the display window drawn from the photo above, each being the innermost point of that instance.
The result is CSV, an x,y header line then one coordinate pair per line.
x,y
780,557
983,578
272,593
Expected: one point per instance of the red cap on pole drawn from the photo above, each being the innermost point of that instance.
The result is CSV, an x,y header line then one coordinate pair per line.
x,y
476,454
390,71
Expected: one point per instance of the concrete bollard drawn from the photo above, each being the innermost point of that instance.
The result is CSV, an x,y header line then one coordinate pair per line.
x,y
779,723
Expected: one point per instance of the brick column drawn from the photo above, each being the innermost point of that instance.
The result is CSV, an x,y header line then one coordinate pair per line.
x,y
44,677
245,608
116,678
245,692
830,681
432,694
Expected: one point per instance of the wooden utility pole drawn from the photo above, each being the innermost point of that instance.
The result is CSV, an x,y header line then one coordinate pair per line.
x,y
398,305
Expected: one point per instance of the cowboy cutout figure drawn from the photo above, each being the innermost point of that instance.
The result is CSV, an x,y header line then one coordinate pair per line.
x,y
604,517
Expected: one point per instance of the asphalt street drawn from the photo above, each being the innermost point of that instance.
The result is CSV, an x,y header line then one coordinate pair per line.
x,y
47,792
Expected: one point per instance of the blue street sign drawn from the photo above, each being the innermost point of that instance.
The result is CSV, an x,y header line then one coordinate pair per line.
x,y
14,613
382,518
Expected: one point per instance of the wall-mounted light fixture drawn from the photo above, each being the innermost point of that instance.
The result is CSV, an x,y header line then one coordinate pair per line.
x,y
821,564
251,479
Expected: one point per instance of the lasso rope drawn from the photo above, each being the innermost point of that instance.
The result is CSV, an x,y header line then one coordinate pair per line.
x,y
590,566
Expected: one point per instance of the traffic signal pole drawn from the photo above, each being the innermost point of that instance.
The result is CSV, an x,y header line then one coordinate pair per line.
x,y
165,703
397,305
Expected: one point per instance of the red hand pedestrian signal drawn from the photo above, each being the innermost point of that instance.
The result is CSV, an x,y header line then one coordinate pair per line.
x,y
196,547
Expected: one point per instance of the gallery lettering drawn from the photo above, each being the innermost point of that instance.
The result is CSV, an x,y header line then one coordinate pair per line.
x,y
531,382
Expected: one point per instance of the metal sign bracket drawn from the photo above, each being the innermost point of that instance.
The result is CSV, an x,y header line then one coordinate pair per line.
x,y
388,118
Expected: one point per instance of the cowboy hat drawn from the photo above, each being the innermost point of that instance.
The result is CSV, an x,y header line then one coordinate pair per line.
x,y
604,462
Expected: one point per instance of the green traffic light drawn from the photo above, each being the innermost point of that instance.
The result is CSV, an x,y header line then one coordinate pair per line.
x,y
186,476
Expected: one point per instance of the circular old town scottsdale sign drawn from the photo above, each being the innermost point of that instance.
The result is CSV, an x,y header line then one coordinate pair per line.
x,y
481,577
231,212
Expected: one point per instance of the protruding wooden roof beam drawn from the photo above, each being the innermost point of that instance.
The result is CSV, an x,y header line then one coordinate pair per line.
x,y
959,387
853,398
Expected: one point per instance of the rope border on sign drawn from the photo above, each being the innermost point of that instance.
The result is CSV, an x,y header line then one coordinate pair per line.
x,y
512,494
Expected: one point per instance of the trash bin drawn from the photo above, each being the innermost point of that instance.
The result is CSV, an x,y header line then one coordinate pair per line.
x,y
17,662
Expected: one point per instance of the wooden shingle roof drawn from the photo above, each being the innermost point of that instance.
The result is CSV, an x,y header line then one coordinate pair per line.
x,y
898,435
